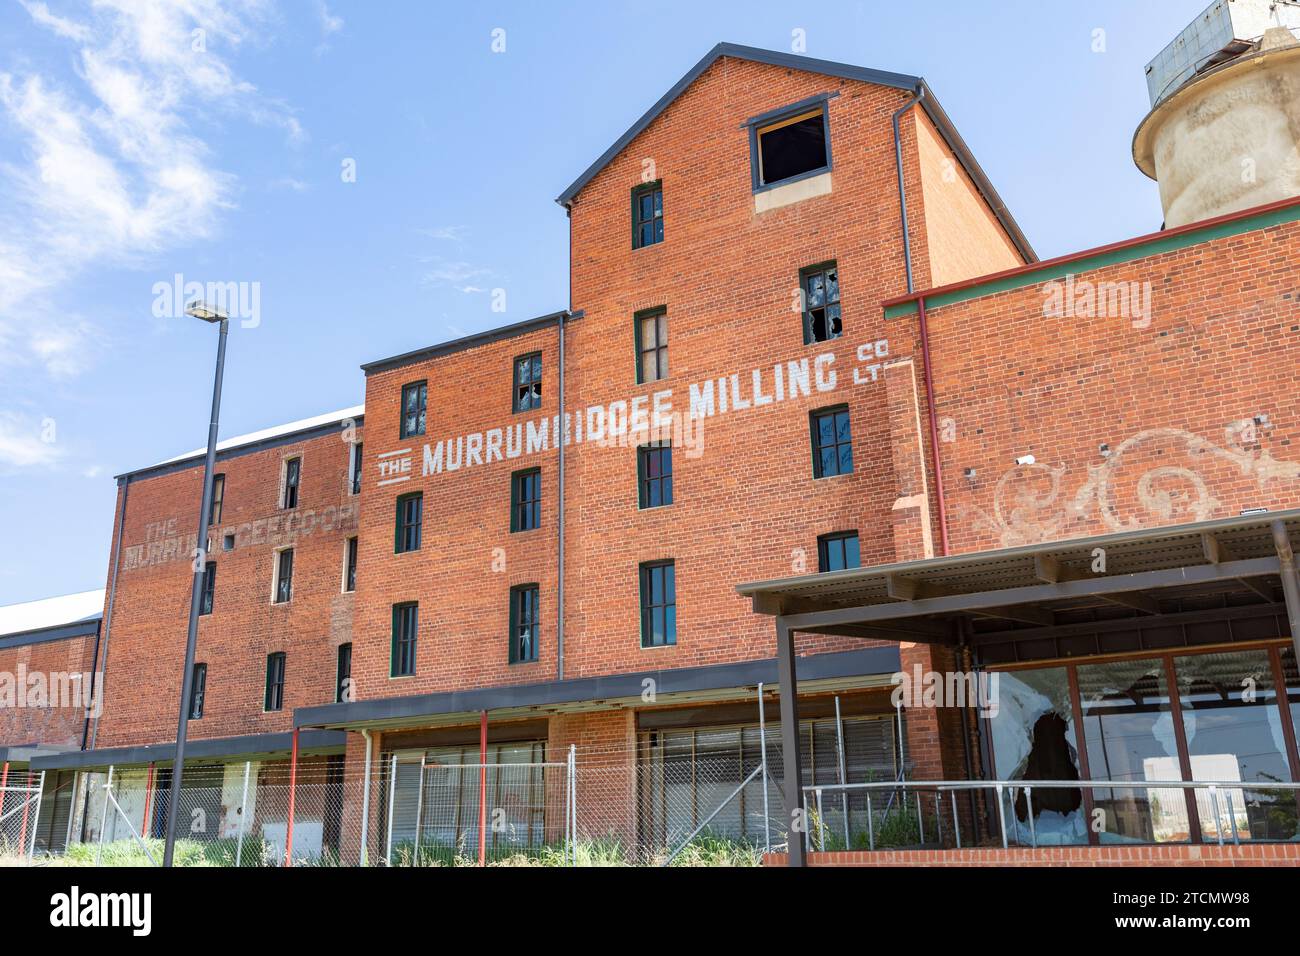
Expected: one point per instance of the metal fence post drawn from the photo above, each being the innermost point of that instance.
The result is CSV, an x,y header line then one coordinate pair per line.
x,y
103,816
762,743
36,821
243,816
392,803
573,797
419,812
1002,817
844,777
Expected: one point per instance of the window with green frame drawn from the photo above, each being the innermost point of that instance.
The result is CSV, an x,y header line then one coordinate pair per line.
x,y
819,290
526,500
651,331
406,623
410,519
524,623
654,466
647,214
658,604
274,696
832,441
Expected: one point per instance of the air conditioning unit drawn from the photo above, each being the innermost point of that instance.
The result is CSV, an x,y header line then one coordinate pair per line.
x,y
1225,30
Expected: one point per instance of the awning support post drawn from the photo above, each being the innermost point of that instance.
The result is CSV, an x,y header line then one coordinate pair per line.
x,y
791,752
482,789
1290,584
293,784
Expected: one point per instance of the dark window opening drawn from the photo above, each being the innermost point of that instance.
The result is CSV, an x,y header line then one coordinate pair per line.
x,y
228,543
209,587
523,623
274,697
355,486
198,690
292,477
820,289
647,215
350,566
658,604
410,518
832,442
528,382
405,627
525,500
414,398
836,552
655,474
283,576
343,677
793,146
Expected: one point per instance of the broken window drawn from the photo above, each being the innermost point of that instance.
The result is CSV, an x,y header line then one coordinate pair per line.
x,y
1034,739
283,575
820,288
292,477
791,146
209,587
655,474
1234,731
523,623
832,441
528,382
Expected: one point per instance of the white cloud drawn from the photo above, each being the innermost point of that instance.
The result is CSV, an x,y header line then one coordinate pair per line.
x,y
449,233
329,25
446,272
111,169
21,445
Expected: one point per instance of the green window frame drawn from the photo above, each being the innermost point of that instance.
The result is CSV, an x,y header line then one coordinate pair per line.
x,y
406,627
526,500
658,604
654,474
819,293
647,214
415,401
409,522
273,699
650,329
525,622
832,441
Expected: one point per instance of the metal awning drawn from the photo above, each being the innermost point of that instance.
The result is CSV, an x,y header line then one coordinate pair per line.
x,y
1036,586
1234,565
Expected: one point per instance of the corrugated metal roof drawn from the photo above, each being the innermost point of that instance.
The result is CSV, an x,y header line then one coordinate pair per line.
x,y
52,612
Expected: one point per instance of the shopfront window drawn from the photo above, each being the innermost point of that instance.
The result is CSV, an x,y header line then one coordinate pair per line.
x,y
1129,731
1034,739
1234,732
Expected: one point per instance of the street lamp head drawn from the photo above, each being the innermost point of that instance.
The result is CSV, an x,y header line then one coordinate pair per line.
x,y
208,313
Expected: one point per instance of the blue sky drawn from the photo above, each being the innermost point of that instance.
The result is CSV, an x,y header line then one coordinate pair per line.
x,y
133,149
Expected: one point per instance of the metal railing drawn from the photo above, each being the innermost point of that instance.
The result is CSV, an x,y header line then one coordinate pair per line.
x,y
911,803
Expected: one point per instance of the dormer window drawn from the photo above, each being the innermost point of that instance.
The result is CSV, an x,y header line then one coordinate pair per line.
x,y
789,144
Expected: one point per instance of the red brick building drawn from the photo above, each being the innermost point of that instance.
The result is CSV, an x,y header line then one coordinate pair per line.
x,y
807,345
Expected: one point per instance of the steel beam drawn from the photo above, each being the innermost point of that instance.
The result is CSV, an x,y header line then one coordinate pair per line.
x,y
1290,583
791,752
1035,593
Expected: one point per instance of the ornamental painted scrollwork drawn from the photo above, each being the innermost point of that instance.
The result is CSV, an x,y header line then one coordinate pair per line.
x,y
1159,476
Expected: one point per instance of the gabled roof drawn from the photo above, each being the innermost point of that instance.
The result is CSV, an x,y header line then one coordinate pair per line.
x,y
900,81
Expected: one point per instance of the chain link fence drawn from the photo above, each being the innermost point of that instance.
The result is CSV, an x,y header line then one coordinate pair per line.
x,y
20,809
708,796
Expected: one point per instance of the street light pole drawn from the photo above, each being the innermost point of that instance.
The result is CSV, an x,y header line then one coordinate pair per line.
x,y
208,314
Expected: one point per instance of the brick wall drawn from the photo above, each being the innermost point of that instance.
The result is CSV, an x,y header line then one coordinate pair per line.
x,y
147,640
49,724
